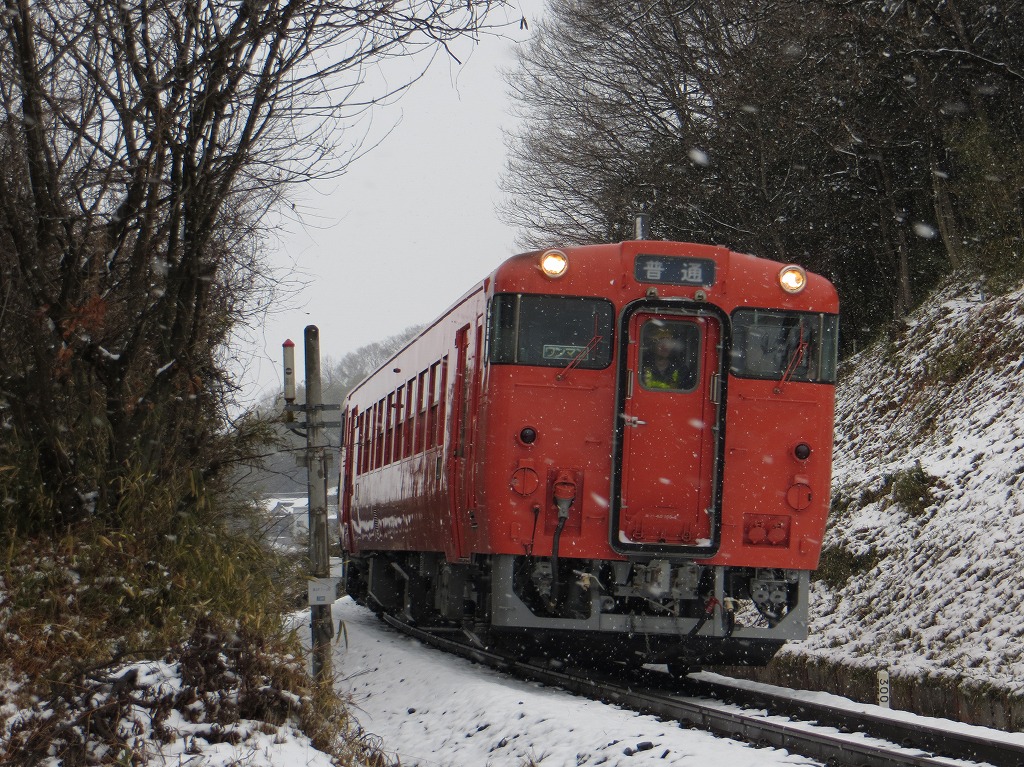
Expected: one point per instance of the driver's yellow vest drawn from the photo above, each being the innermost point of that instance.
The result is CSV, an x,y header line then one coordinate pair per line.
x,y
651,379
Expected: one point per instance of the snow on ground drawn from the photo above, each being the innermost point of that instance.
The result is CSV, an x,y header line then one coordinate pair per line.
x,y
429,709
259,745
437,710
157,734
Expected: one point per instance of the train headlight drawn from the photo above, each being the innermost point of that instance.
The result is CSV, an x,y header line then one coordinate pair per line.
x,y
792,279
554,263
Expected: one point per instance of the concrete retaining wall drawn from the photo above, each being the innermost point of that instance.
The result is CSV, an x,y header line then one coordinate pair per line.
x,y
960,701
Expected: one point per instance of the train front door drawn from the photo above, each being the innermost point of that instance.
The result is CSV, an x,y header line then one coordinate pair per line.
x,y
668,433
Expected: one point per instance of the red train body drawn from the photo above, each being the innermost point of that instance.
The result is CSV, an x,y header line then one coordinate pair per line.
x,y
619,448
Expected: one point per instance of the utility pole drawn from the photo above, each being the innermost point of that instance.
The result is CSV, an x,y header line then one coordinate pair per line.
x,y
317,460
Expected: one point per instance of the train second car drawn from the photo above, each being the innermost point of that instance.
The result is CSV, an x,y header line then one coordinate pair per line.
x,y
620,451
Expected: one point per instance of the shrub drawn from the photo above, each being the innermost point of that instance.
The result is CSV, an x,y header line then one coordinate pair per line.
x,y
912,489
838,564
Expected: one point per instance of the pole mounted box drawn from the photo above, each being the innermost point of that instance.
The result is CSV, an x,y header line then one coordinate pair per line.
x,y
322,591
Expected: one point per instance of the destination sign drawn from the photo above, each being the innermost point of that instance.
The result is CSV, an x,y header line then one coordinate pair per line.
x,y
564,352
674,270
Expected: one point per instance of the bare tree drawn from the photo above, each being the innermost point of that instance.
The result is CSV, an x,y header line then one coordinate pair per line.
x,y
620,101
877,142
143,144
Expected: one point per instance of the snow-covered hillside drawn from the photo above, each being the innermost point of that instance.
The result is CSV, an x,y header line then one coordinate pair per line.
x,y
923,572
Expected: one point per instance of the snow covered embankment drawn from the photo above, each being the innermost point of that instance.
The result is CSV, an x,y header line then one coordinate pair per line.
x,y
923,568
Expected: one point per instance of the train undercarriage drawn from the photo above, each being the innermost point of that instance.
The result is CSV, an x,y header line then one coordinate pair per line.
x,y
682,614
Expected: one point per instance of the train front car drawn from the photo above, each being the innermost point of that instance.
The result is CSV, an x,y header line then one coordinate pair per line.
x,y
637,459
659,434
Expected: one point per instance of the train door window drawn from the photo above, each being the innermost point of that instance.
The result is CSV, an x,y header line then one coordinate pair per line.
x,y
773,344
669,355
550,331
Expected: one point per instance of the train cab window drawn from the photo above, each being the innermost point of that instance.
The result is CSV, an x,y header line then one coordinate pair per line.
x,y
669,355
773,344
550,331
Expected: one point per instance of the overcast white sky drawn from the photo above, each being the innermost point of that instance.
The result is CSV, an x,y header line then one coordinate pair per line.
x,y
412,224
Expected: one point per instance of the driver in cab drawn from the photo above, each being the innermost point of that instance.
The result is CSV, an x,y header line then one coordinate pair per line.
x,y
662,368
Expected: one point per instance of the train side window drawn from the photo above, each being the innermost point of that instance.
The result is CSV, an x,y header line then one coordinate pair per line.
x,y
399,408
378,436
421,411
368,437
357,444
442,394
550,331
503,328
365,439
432,405
371,417
410,420
772,344
389,429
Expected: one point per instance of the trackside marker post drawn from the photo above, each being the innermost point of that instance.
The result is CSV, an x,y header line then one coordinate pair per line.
x,y
884,693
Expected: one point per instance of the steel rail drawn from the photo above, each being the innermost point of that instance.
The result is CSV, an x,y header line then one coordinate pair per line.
x,y
831,734
923,733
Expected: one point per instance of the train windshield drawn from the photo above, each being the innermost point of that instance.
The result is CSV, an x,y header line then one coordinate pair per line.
x,y
795,346
551,331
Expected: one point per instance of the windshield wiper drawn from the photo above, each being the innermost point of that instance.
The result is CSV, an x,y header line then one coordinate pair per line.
x,y
794,360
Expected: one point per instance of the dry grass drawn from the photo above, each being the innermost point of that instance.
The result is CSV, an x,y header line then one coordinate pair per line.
x,y
78,612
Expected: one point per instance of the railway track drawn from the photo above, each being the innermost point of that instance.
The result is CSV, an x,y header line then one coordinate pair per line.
x,y
830,734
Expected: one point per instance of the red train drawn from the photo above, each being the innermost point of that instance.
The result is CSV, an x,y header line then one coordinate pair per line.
x,y
617,450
